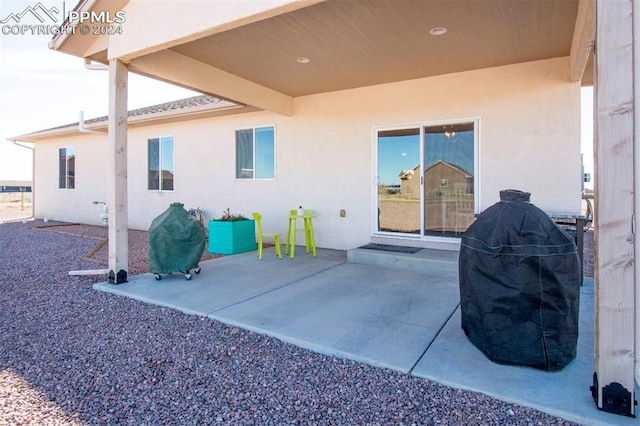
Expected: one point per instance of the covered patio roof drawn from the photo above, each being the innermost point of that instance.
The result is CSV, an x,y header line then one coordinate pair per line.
x,y
266,53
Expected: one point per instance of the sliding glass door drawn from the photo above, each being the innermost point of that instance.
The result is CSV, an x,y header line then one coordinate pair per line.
x,y
399,186
426,179
448,179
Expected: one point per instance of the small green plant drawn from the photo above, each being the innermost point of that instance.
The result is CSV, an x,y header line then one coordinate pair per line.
x,y
227,216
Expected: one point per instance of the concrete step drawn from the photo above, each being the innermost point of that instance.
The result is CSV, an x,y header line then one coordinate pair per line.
x,y
424,260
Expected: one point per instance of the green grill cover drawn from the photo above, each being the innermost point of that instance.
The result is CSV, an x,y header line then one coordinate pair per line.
x,y
176,241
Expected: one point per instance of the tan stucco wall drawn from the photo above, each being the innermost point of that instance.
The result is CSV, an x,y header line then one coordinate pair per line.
x,y
529,139
72,205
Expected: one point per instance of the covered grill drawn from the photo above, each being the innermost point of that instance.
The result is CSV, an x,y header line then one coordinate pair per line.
x,y
176,242
520,278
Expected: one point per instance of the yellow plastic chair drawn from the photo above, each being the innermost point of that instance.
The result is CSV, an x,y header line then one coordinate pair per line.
x,y
261,235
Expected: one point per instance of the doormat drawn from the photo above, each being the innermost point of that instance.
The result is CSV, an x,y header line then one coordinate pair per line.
x,y
388,247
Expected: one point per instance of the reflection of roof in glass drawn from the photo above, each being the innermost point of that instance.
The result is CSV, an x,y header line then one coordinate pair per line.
x,y
453,166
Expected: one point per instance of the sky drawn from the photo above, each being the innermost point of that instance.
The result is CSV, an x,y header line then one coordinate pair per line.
x,y
41,88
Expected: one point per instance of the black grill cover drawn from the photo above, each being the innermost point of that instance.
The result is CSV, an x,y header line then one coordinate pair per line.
x,y
176,241
520,278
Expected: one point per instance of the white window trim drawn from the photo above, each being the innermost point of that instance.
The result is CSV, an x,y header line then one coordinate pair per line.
x,y
235,152
66,188
173,164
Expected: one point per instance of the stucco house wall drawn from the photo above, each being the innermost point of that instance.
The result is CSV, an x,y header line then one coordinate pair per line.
x,y
71,205
529,139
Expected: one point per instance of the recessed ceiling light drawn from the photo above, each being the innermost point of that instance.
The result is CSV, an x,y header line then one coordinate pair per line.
x,y
303,60
438,31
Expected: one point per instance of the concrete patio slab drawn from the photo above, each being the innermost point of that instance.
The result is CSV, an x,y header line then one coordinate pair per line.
x,y
224,281
454,361
369,314
403,318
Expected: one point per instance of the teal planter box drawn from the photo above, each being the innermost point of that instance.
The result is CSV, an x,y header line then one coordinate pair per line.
x,y
227,237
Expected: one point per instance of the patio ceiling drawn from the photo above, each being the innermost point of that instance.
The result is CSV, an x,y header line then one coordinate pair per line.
x,y
349,44
362,43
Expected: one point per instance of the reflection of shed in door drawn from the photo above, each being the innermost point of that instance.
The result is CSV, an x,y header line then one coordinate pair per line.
x,y
441,178
448,197
410,183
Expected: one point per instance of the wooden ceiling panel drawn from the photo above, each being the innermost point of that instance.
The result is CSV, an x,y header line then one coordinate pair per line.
x,y
361,42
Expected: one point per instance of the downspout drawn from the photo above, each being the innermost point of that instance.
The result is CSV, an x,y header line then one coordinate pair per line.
x,y
103,215
93,66
33,173
636,172
83,129
88,64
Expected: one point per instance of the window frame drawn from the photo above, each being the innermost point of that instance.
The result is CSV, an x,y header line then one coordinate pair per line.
x,y
160,161
421,125
66,178
254,148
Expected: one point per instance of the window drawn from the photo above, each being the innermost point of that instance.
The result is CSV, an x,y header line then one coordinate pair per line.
x,y
255,153
67,168
160,164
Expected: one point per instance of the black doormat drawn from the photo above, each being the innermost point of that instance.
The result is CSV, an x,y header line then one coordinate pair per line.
x,y
387,247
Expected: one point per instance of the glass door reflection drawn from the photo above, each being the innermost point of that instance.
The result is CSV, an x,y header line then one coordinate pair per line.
x,y
448,179
399,186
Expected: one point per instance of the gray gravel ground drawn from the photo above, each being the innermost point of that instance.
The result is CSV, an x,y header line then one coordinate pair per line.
x,y
73,355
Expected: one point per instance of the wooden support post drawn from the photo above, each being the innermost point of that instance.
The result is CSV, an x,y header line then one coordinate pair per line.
x,y
636,180
117,173
613,388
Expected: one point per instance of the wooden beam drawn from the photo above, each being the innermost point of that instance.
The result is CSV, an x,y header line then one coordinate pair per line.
x,y
584,33
175,67
613,388
117,173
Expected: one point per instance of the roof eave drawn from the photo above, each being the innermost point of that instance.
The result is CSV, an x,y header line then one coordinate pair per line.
x,y
60,39
195,113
